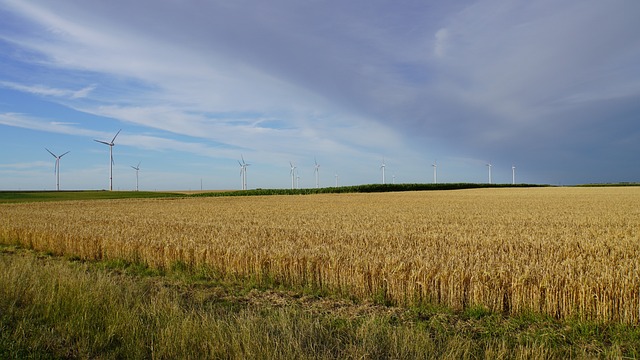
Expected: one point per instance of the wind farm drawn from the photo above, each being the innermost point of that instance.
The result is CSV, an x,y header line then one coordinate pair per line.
x,y
296,173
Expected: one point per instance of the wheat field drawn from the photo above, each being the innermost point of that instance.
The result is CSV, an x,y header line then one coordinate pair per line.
x,y
565,252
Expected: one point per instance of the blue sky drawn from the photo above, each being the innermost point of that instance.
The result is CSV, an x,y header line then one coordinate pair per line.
x,y
552,87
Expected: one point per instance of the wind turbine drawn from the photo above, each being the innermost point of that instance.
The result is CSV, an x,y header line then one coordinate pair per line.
x,y
136,168
293,175
243,172
435,171
513,174
489,166
382,167
110,157
317,171
336,180
393,177
56,169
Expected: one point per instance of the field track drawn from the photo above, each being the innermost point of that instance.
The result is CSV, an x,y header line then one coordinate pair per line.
x,y
566,252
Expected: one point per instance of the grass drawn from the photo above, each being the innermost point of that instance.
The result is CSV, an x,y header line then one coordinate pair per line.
x,y
56,307
367,188
29,196
34,196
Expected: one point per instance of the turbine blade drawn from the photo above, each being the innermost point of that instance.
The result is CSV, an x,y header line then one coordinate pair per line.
x,y
52,154
65,154
114,138
102,142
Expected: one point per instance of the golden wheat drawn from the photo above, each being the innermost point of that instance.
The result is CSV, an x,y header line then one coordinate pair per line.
x,y
567,252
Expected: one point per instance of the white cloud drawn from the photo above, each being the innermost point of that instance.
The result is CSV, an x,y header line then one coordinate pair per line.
x,y
49,91
24,166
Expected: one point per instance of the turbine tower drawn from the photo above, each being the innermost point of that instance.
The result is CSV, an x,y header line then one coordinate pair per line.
x,y
435,171
136,168
293,175
489,166
382,167
513,174
243,172
110,157
336,180
56,169
317,171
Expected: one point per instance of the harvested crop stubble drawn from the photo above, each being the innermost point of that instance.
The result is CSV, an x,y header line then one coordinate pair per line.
x,y
567,252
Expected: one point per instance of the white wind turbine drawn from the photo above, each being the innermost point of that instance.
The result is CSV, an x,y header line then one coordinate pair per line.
x,y
317,172
243,172
489,166
111,144
382,167
336,180
136,168
513,174
293,175
435,171
56,169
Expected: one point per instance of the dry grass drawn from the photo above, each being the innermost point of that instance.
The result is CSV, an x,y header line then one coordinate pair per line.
x,y
567,252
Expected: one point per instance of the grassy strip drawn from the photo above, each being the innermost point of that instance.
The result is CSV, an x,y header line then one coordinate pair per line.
x,y
32,196
56,308
368,188
29,196
611,184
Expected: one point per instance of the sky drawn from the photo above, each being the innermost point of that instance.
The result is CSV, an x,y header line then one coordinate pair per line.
x,y
549,87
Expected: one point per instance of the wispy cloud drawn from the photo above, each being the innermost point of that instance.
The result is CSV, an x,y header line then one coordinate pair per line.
x,y
24,166
49,91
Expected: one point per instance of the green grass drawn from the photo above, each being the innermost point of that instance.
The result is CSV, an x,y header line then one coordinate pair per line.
x,y
28,196
611,184
31,196
54,307
368,188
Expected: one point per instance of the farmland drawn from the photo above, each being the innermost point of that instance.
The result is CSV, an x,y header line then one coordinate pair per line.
x,y
563,252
